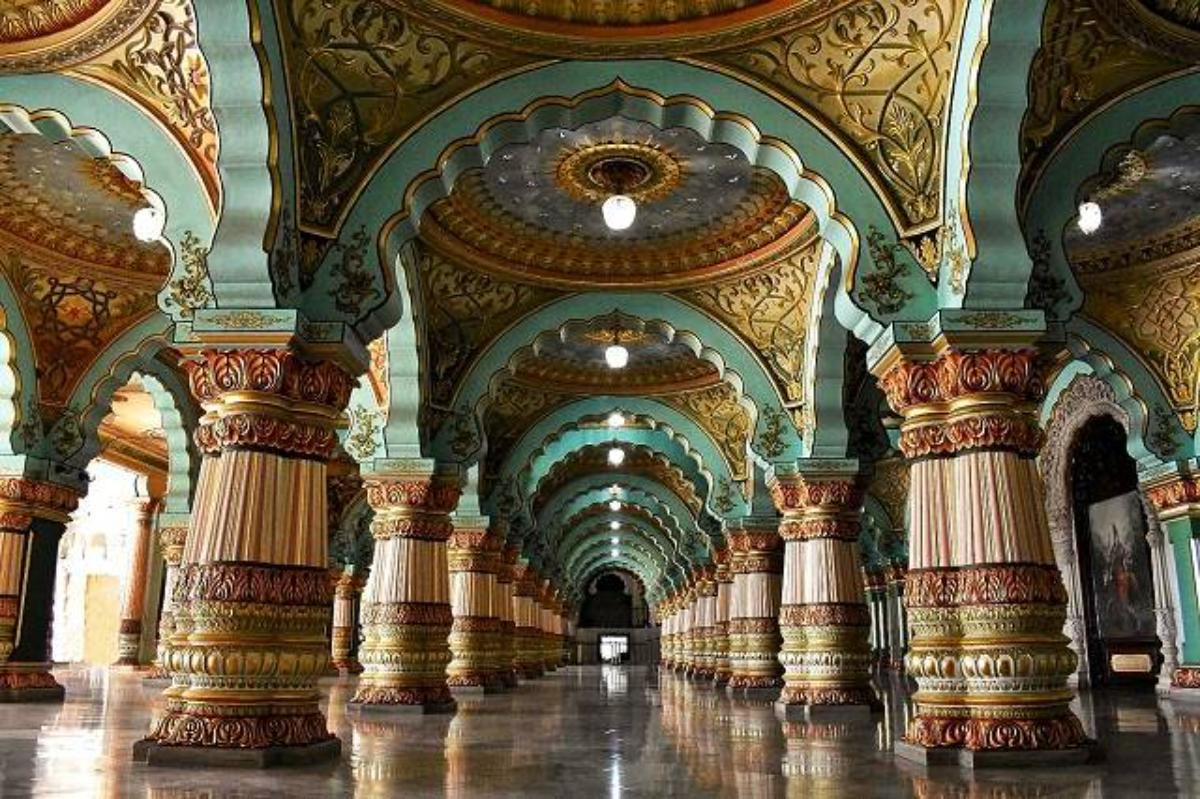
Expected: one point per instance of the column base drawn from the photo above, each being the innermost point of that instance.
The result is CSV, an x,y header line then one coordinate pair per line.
x,y
153,753
28,682
369,711
1090,752
371,700
765,688
475,684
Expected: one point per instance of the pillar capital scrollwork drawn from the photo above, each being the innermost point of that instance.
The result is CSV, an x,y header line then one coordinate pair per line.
x,y
966,400
1175,495
23,499
822,507
268,399
171,540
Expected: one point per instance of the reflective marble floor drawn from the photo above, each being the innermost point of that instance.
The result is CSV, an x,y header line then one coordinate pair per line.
x,y
582,733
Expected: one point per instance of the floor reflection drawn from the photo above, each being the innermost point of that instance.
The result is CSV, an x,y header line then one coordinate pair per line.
x,y
585,732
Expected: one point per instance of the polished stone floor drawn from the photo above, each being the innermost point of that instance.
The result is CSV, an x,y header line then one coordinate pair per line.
x,y
581,733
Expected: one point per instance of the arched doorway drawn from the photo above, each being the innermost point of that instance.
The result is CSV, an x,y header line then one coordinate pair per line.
x,y
1114,557
1084,401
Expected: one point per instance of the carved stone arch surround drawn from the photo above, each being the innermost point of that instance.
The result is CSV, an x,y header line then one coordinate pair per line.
x,y
1086,398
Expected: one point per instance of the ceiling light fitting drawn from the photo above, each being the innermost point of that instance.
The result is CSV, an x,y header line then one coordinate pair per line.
x,y
616,420
614,505
616,456
1090,217
148,224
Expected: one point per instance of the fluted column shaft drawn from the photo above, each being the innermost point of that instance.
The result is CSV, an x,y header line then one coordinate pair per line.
x,y
133,598
252,603
346,590
548,638
476,634
724,579
824,619
897,622
528,659
170,542
705,631
507,653
876,588
33,516
1176,500
666,633
985,600
406,615
756,564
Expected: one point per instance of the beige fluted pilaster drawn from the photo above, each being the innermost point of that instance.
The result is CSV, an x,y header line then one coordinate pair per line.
x,y
724,579
475,637
666,614
406,615
346,590
528,657
171,539
133,598
824,618
985,600
33,515
705,619
506,655
253,600
756,564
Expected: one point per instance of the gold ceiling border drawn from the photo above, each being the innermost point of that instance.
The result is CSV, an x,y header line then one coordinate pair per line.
x,y
523,33
100,31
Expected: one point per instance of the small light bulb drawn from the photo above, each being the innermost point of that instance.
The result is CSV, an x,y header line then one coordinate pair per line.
x,y
614,540
616,553
1090,217
148,224
614,505
619,212
616,356
616,420
614,525
616,456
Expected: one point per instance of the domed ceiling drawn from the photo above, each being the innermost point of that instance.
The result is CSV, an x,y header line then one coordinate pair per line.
x,y
1151,206
68,250
571,360
533,212
52,34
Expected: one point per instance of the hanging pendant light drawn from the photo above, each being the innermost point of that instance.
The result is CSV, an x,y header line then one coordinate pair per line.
x,y
148,224
616,420
1090,217
616,456
614,505
619,211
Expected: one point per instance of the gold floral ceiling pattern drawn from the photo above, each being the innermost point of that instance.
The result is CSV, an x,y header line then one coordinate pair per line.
x,y
1086,59
769,309
619,28
67,249
874,73
145,50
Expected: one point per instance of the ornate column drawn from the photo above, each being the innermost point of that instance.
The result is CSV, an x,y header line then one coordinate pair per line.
x,y
724,580
171,539
133,599
253,600
346,589
1175,497
824,618
705,629
506,654
687,634
666,634
474,637
875,585
33,516
986,603
756,564
528,661
547,641
897,623
406,614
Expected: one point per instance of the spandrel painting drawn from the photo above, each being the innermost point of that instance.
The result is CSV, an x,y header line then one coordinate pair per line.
x,y
1121,568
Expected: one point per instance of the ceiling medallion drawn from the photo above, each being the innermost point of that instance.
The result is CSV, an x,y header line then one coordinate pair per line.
x,y
643,172
49,35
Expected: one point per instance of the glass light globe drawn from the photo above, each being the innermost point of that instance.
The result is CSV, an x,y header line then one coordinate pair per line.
x,y
614,525
1090,217
616,356
619,212
614,505
614,540
148,224
616,456
616,420
616,553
